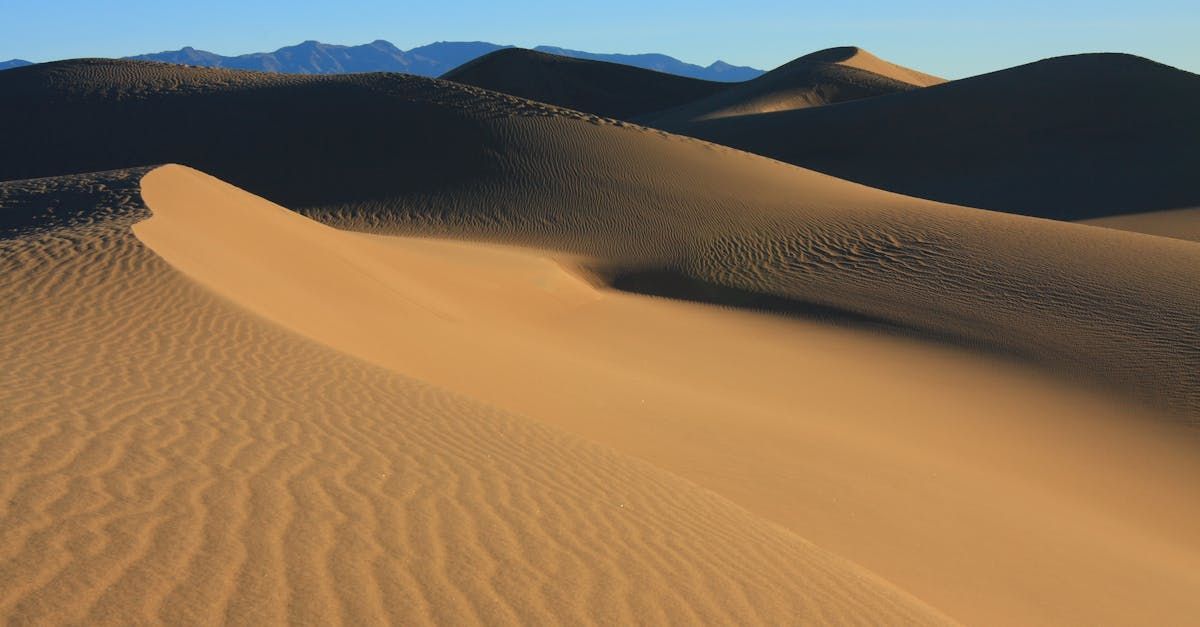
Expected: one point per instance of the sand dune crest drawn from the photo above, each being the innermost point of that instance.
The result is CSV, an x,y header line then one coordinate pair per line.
x,y
170,458
768,413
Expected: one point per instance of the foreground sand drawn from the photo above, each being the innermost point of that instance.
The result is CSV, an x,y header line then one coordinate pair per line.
x,y
168,456
223,431
994,494
981,410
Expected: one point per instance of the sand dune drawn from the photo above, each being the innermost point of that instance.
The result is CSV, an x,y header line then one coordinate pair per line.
x,y
1069,138
608,89
853,56
768,413
617,91
169,457
961,410
821,78
435,157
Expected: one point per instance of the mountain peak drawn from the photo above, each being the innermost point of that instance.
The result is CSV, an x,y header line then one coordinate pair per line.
x,y
12,63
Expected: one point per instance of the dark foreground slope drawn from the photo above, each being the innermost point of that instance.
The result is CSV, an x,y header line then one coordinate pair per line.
x,y
401,154
1070,138
608,89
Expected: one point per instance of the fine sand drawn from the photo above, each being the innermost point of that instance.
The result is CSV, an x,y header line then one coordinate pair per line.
x,y
553,367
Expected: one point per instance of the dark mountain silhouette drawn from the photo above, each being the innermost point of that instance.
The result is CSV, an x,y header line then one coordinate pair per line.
x,y
717,71
314,57
1073,137
820,78
4,65
599,87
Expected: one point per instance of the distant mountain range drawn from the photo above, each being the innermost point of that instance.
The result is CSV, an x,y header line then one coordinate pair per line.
x,y
314,57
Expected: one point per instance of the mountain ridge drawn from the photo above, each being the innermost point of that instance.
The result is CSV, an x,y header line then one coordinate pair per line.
x,y
716,71
432,60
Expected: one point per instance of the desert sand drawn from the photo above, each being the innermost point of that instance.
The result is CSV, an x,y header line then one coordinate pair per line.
x,y
169,456
464,357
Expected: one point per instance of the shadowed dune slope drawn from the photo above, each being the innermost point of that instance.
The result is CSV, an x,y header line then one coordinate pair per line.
x,y
681,216
1177,223
1072,138
166,456
821,78
805,424
608,89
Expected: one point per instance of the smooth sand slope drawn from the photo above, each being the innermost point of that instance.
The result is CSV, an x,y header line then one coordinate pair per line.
x,y
820,78
608,89
170,457
662,213
1072,138
995,495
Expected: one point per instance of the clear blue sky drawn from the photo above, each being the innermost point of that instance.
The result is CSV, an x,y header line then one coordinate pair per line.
x,y
954,39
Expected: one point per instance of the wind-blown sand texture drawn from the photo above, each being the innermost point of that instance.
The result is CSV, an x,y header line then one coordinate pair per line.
x,y
960,412
521,332
170,457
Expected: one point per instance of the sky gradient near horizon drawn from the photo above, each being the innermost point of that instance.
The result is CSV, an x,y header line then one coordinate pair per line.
x,y
950,39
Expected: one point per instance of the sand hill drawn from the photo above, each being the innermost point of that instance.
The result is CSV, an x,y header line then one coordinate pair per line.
x,y
821,78
958,416
853,56
608,89
824,77
1072,138
170,457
